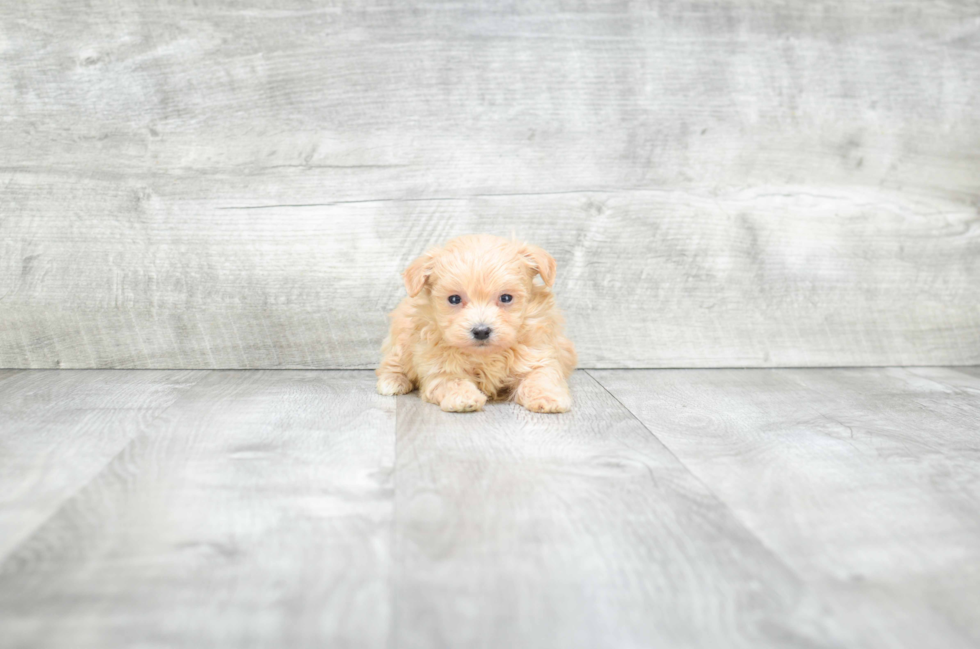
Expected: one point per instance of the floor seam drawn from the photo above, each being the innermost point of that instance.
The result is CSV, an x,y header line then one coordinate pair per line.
x,y
820,590
391,641
70,497
735,517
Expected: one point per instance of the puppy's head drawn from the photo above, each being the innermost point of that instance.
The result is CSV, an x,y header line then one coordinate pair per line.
x,y
478,288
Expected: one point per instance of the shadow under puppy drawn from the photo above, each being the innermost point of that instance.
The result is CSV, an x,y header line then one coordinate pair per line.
x,y
476,325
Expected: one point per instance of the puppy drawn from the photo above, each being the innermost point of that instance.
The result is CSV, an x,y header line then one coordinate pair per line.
x,y
475,326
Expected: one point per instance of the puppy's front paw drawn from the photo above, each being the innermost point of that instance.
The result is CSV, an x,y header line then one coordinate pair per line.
x,y
539,394
464,397
391,384
548,403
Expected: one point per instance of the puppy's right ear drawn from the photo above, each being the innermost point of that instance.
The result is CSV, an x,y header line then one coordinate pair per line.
x,y
418,272
540,262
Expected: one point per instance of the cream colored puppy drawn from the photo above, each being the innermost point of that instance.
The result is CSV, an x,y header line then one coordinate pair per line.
x,y
475,326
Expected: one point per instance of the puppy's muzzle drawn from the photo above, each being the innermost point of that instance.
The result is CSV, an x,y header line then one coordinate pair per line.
x,y
481,332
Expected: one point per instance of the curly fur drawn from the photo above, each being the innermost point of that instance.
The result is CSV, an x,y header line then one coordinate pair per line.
x,y
431,346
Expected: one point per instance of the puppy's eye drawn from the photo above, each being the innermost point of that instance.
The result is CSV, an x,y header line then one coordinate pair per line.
x,y
506,297
455,299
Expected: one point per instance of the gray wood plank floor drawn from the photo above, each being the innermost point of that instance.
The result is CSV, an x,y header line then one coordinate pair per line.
x,y
866,482
59,429
709,508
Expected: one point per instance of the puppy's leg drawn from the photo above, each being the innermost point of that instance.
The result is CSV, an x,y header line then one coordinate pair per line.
x,y
544,390
453,393
396,358
390,384
392,373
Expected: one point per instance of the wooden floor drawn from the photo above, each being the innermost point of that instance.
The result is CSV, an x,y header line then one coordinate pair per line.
x,y
670,508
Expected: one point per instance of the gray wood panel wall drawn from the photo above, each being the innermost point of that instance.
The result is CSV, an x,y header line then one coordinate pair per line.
x,y
237,184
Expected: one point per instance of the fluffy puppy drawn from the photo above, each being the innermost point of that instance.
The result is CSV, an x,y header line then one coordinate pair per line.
x,y
475,325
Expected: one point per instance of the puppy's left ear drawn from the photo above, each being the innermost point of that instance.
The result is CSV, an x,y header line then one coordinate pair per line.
x,y
540,262
417,273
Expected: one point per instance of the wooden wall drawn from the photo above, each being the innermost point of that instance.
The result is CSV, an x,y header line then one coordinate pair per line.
x,y
723,183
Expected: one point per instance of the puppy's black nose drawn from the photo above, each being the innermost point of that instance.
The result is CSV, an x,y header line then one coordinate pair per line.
x,y
481,332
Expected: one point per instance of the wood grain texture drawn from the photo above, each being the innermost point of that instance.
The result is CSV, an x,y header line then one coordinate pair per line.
x,y
816,508
255,512
237,184
866,482
7,374
59,429
576,530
